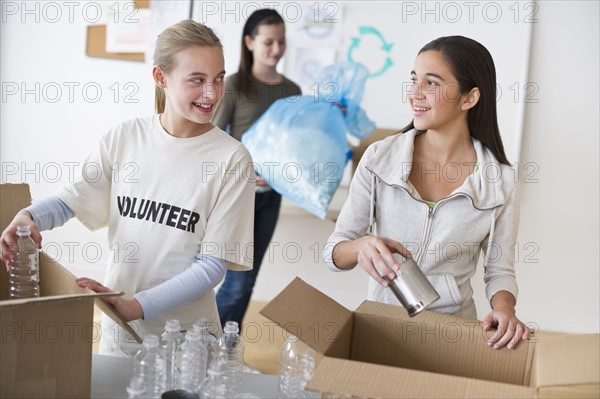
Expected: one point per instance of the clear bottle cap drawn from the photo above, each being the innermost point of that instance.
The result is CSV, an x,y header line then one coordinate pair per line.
x,y
23,231
231,327
193,335
172,326
150,341
200,324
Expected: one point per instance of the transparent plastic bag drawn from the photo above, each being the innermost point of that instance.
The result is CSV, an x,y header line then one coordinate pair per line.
x,y
344,82
299,145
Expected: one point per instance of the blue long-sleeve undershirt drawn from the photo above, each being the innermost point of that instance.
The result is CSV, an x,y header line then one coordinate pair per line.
x,y
49,213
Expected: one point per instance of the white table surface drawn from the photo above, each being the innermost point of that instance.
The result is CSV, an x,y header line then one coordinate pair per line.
x,y
111,375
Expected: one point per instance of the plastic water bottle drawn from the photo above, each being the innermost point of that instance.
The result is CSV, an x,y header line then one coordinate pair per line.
x,y
24,273
231,350
297,366
214,385
171,341
191,362
209,340
149,365
136,388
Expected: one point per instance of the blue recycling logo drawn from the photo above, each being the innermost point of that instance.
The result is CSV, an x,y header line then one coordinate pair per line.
x,y
385,47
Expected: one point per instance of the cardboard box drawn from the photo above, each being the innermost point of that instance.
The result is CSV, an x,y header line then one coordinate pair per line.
x,y
359,150
46,342
378,351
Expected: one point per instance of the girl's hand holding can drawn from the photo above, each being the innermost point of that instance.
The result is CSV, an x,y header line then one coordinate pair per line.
x,y
372,253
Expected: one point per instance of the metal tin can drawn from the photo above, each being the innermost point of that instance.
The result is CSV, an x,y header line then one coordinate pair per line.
x,y
412,288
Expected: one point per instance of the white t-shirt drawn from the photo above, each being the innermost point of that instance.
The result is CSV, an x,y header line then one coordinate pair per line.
x,y
166,200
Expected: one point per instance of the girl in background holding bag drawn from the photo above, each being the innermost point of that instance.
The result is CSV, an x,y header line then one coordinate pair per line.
x,y
441,191
248,94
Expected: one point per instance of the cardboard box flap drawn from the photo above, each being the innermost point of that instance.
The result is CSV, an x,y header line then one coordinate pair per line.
x,y
437,343
62,281
13,198
316,319
583,391
567,360
369,380
57,279
56,298
116,316
59,284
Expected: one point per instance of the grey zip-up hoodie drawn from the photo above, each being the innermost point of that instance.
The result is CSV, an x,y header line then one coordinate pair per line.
x,y
446,240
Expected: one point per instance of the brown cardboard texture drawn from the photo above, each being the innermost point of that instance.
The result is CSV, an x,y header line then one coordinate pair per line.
x,y
379,351
359,150
46,347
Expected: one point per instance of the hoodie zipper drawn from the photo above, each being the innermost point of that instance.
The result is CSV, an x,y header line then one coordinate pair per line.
x,y
427,231
430,214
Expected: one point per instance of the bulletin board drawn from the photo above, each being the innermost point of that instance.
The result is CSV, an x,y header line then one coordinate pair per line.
x,y
96,46
96,41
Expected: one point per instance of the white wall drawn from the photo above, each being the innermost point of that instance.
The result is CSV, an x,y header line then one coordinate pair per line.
x,y
40,138
560,209
56,102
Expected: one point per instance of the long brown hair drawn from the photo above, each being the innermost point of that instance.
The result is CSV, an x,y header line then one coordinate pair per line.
x,y
473,66
175,38
265,16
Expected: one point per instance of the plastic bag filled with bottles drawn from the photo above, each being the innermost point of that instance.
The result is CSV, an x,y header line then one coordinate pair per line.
x,y
299,145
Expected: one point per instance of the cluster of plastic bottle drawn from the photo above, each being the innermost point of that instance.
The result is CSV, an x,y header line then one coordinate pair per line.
x,y
196,362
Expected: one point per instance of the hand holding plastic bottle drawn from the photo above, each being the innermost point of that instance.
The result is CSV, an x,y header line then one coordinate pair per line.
x,y
9,236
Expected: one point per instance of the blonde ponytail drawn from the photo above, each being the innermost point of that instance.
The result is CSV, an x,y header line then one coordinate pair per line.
x,y
160,99
187,33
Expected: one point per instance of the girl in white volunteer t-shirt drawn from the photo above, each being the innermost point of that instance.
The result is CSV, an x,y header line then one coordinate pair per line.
x,y
188,211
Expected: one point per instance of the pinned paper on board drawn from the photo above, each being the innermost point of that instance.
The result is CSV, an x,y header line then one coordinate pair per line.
x,y
129,34
319,24
164,14
307,64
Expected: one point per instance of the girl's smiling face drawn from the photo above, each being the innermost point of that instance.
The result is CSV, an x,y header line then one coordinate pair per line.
x,y
268,46
195,86
434,96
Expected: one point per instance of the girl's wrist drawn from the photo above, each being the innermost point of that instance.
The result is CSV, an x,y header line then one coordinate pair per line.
x,y
504,301
26,213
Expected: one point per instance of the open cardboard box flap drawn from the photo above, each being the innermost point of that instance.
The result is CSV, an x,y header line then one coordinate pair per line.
x,y
58,284
567,360
312,316
379,351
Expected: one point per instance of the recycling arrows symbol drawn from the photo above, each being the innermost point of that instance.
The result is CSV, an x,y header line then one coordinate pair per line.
x,y
386,47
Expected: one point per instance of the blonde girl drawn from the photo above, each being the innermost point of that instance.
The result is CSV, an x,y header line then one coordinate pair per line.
x,y
187,211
